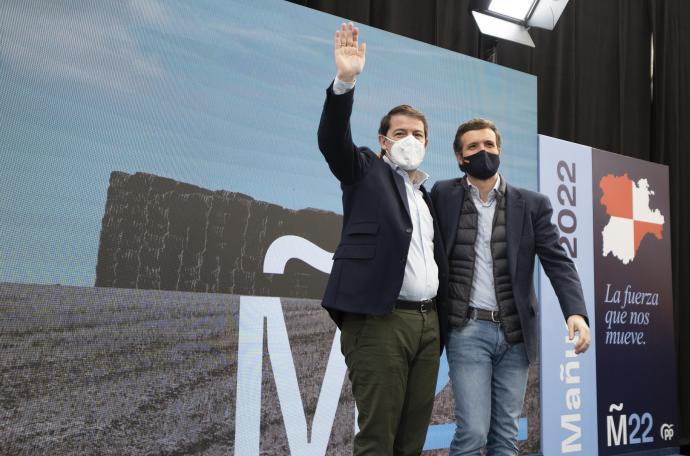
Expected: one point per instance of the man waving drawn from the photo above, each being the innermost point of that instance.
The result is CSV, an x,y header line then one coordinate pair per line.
x,y
384,282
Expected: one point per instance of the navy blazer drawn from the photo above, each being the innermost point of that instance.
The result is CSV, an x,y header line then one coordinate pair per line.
x,y
529,232
369,263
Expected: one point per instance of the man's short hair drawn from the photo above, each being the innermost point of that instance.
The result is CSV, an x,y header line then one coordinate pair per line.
x,y
404,110
477,123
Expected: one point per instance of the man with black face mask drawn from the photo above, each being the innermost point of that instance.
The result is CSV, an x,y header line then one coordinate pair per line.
x,y
492,232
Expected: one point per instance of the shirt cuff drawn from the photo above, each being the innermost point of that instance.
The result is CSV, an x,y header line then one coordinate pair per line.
x,y
341,87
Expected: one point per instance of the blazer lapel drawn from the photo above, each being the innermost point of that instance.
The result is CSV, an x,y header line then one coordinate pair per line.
x,y
452,209
515,211
400,185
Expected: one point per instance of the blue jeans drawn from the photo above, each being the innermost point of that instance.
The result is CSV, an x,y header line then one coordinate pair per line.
x,y
489,378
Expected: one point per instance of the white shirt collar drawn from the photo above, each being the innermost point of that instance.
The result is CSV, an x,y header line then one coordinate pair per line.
x,y
420,177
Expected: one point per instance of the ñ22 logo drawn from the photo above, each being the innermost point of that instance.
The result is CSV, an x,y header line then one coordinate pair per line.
x,y
617,433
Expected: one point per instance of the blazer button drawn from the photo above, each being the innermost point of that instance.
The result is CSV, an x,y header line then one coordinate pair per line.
x,y
408,230
403,260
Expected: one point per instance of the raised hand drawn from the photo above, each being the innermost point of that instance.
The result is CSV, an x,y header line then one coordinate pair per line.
x,y
349,54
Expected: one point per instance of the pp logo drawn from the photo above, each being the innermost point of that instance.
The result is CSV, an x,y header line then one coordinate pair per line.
x,y
666,431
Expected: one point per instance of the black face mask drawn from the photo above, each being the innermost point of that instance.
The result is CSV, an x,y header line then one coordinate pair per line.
x,y
481,165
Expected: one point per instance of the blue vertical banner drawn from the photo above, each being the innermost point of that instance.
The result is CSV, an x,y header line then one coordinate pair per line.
x,y
568,381
612,213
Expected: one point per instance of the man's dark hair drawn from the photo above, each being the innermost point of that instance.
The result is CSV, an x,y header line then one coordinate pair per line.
x,y
475,124
404,110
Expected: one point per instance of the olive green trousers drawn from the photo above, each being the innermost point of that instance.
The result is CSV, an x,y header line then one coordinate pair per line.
x,y
392,363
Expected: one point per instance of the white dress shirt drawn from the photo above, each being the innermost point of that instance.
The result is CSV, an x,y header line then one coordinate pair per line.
x,y
421,271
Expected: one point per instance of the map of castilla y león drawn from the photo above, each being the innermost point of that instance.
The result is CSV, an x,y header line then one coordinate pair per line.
x,y
627,203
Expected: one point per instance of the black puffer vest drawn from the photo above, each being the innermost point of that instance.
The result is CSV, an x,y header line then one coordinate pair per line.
x,y
462,258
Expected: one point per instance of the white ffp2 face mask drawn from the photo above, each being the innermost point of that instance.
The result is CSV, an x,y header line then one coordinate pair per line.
x,y
407,153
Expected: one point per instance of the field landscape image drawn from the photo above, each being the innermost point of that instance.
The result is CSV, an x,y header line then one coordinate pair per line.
x,y
156,180
109,370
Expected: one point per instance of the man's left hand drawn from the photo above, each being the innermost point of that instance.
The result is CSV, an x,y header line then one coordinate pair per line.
x,y
577,323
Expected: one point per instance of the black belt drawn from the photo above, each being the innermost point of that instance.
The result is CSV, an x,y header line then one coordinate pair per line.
x,y
422,306
481,314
